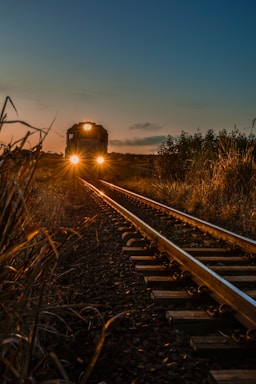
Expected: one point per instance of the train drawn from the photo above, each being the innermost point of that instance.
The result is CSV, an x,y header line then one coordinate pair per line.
x,y
87,145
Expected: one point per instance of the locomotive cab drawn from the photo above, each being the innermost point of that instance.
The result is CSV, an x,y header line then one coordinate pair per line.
x,y
86,143
87,137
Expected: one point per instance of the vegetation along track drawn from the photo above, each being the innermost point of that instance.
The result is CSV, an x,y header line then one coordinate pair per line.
x,y
204,273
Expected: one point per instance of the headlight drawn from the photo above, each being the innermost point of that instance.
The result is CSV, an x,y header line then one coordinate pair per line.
x,y
87,127
74,159
100,160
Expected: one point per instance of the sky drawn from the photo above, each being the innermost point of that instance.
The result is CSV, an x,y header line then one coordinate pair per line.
x,y
144,69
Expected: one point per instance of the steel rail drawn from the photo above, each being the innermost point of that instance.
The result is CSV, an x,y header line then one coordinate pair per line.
x,y
243,307
248,245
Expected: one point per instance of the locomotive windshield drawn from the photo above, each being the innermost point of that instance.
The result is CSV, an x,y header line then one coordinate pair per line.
x,y
87,138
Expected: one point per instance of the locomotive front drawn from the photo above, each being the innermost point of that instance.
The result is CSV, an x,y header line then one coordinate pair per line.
x,y
87,145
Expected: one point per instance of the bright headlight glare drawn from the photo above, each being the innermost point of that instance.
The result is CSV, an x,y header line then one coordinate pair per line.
x,y
87,127
74,159
100,160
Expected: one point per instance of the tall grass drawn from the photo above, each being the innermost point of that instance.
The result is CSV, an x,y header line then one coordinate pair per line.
x,y
30,244
226,192
28,257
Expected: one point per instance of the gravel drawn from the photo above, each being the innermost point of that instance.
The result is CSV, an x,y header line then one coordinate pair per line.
x,y
97,282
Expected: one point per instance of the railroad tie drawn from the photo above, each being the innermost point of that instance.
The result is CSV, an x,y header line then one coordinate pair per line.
x,y
197,321
234,376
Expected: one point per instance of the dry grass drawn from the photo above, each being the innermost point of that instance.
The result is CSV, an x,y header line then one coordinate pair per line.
x,y
28,258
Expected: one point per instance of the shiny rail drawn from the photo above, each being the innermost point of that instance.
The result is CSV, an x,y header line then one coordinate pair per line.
x,y
247,245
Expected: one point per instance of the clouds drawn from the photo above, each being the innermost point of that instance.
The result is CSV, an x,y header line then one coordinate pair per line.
x,y
144,141
145,127
135,142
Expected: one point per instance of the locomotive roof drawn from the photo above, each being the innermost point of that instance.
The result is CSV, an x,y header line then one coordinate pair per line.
x,y
77,127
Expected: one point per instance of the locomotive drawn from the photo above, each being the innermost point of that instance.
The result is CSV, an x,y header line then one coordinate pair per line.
x,y
87,145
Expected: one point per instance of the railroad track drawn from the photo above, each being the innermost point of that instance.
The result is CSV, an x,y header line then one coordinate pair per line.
x,y
204,274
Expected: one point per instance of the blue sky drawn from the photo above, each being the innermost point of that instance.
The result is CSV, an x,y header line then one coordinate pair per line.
x,y
141,68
